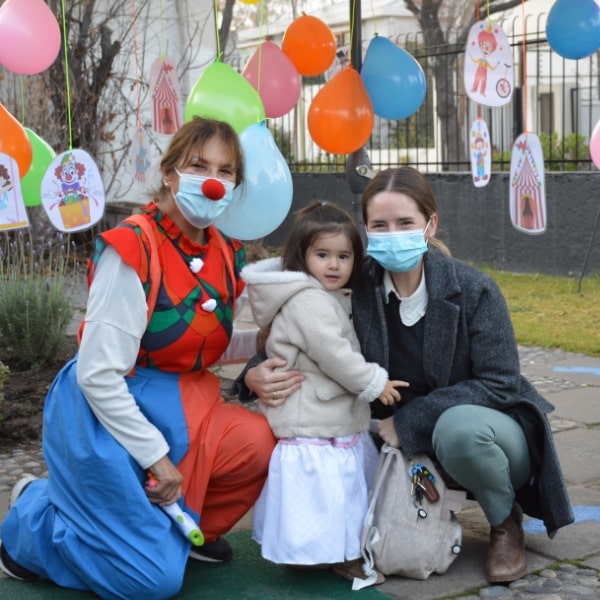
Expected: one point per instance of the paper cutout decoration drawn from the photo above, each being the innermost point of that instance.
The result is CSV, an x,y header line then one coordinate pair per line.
x,y
488,73
527,187
481,153
167,112
139,155
13,214
72,191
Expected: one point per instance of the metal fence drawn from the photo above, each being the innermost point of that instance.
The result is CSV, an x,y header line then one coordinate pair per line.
x,y
562,107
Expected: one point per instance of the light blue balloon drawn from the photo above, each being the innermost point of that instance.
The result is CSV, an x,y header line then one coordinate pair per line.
x,y
393,79
573,28
261,203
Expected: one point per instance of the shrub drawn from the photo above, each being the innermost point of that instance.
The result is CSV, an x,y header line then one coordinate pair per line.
x,y
34,308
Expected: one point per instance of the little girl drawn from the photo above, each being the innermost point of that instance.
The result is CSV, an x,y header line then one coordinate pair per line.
x,y
313,503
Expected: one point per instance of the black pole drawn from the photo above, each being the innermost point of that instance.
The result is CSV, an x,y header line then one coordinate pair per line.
x,y
359,157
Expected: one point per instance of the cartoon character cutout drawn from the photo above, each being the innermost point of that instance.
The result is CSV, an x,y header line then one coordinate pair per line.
x,y
139,156
13,214
488,65
72,191
481,162
527,187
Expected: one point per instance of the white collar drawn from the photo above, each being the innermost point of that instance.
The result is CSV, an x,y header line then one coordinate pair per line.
x,y
413,307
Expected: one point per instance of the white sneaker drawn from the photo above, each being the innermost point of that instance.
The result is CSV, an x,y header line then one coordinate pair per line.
x,y
19,488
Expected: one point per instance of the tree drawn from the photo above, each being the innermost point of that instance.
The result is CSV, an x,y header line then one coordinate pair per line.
x,y
445,27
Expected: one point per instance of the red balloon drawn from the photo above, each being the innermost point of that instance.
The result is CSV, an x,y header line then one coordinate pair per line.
x,y
340,117
14,141
309,44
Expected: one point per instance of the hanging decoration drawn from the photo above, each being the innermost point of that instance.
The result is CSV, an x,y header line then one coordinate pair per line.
x,y
310,45
274,76
488,71
42,156
72,191
340,117
29,36
166,97
573,28
481,153
262,202
527,198
12,208
139,155
527,188
394,80
14,140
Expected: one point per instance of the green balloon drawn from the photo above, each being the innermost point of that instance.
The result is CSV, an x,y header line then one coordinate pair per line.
x,y
31,183
222,93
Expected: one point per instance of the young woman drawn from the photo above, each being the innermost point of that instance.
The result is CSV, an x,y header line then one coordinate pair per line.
x,y
444,327
312,508
139,397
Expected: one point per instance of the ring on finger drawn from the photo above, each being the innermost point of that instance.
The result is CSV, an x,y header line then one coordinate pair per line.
x,y
274,396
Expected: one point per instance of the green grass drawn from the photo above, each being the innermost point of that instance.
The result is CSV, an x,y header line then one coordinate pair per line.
x,y
550,312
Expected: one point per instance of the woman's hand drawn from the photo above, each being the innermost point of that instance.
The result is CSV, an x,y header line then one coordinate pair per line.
x,y
164,487
390,394
273,386
387,432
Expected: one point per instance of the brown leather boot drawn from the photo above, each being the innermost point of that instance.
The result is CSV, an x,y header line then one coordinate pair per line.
x,y
506,559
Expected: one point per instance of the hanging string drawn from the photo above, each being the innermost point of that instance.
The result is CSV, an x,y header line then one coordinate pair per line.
x,y
22,90
352,19
524,69
478,17
135,62
64,23
163,50
216,12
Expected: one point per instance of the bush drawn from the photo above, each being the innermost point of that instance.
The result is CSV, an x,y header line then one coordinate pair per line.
x,y
34,308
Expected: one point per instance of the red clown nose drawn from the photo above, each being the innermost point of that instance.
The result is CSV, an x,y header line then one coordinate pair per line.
x,y
213,189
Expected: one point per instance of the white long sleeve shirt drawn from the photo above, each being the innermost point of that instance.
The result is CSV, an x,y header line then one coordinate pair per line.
x,y
115,321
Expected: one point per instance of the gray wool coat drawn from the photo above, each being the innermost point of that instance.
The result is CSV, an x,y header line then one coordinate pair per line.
x,y
470,356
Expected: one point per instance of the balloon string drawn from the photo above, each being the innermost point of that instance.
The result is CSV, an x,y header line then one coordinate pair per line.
x,y
478,18
163,50
65,45
21,87
135,62
524,69
216,12
352,16
261,15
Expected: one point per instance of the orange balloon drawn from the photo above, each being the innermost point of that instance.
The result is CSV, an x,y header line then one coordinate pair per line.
x,y
14,141
340,117
309,44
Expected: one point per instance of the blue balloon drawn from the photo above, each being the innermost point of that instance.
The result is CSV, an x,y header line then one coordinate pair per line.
x,y
393,79
573,28
261,203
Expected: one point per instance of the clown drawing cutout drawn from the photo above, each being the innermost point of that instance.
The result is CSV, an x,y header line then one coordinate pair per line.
x,y
72,191
481,159
13,214
488,65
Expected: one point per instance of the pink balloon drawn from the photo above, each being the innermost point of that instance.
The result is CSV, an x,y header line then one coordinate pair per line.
x,y
275,77
29,36
595,145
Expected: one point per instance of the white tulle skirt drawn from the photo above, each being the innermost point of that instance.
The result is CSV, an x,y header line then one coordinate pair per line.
x,y
312,506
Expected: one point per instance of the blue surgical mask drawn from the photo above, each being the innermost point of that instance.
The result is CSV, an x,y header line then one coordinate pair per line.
x,y
397,251
198,209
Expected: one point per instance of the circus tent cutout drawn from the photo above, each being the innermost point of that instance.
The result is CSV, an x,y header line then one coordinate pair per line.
x,y
527,188
167,112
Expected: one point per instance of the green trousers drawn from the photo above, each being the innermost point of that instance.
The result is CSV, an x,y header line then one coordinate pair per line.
x,y
485,452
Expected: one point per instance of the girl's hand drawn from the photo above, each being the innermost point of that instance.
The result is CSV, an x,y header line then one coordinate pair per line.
x,y
273,386
164,483
387,432
390,394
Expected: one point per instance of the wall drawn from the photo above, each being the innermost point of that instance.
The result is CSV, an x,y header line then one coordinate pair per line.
x,y
475,222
